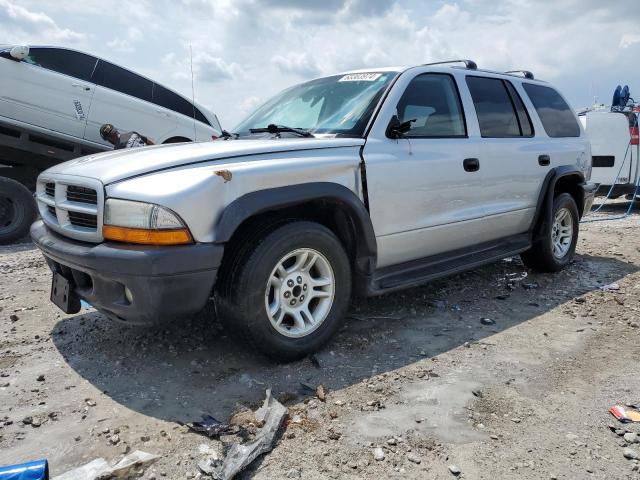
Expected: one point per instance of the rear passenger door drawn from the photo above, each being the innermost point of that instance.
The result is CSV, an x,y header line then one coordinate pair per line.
x,y
123,99
509,155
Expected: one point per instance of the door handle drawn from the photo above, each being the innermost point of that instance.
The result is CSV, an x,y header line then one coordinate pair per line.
x,y
471,164
544,160
77,85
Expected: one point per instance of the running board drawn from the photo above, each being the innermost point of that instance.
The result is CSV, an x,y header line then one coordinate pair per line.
x,y
421,271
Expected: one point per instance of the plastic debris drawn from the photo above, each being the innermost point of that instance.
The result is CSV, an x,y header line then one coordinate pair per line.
x,y
37,470
99,468
210,427
612,287
271,414
625,415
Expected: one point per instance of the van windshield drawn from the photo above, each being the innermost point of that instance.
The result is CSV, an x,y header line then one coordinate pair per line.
x,y
340,105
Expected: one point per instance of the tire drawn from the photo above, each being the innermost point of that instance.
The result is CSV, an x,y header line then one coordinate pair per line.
x,y
17,210
543,256
299,323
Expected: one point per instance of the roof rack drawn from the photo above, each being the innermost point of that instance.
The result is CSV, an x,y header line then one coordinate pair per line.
x,y
470,64
525,73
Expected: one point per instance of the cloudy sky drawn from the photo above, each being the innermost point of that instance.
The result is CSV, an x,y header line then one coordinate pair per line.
x,y
244,51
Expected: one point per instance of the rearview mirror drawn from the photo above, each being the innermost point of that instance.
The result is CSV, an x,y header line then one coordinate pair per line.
x,y
19,52
395,129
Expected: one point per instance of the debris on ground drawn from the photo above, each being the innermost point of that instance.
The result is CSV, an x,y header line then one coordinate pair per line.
x,y
211,427
270,414
321,393
625,415
129,467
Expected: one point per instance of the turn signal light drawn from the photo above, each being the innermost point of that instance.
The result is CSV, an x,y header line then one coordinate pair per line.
x,y
142,236
634,135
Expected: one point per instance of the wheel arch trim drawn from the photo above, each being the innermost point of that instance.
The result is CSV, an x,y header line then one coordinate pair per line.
x,y
264,201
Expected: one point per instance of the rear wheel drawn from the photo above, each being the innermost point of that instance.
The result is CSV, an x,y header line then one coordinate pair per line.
x,y
289,291
557,245
17,210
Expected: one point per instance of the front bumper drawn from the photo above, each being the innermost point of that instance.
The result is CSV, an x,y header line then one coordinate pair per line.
x,y
589,192
166,283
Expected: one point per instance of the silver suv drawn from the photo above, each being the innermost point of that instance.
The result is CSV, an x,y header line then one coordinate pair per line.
x,y
364,182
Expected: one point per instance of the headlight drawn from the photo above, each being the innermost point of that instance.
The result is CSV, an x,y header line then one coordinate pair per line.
x,y
146,223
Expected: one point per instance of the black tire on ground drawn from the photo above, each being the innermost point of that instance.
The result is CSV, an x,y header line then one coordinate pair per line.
x,y
241,299
541,256
17,210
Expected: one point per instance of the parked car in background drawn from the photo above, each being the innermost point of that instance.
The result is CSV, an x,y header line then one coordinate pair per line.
x,y
52,103
367,181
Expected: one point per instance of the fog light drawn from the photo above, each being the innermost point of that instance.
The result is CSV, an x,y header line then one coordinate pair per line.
x,y
128,295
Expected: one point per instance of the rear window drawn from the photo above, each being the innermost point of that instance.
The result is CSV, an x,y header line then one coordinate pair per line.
x,y
122,80
556,116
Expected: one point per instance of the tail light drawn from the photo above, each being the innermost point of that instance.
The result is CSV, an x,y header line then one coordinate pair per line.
x,y
634,135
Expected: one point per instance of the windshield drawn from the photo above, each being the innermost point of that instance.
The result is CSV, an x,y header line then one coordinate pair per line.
x,y
340,104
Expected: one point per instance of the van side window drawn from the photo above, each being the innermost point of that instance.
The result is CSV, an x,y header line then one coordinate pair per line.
x,y
67,62
171,101
117,78
495,108
432,99
556,116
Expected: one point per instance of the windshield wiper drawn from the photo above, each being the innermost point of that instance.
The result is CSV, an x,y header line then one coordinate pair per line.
x,y
227,135
273,128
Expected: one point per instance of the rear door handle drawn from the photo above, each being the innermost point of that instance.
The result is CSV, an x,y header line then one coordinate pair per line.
x,y
84,87
471,164
544,160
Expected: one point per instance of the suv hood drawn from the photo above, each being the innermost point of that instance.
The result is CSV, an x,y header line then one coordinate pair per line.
x,y
109,167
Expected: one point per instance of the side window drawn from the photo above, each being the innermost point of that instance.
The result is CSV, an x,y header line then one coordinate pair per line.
x,y
526,128
495,110
432,100
556,116
74,64
172,101
124,81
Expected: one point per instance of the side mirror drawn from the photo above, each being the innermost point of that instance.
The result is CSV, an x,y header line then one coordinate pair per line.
x,y
397,129
19,52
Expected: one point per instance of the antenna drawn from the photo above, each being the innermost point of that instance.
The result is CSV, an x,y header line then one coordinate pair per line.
x,y
193,94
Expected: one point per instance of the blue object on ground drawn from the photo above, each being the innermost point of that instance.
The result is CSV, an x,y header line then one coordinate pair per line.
x,y
84,304
37,470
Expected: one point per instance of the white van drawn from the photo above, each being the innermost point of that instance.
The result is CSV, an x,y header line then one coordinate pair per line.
x,y
614,148
72,94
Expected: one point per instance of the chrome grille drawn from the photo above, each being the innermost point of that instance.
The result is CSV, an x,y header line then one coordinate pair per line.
x,y
71,206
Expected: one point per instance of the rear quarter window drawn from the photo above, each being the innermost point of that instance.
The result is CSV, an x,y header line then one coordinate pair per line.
x,y
556,116
117,78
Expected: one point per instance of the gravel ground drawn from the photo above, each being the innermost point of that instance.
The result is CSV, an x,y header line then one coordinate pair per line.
x,y
495,373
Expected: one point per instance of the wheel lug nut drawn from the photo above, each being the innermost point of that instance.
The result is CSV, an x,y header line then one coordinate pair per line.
x,y
304,287
302,298
292,302
287,294
299,279
290,283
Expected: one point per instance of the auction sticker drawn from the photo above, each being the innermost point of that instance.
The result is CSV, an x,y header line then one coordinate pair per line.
x,y
360,77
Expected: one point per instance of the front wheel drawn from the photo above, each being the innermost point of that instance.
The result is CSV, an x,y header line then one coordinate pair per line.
x,y
289,291
17,210
557,245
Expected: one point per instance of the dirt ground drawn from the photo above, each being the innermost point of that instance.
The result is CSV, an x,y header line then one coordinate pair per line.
x,y
498,372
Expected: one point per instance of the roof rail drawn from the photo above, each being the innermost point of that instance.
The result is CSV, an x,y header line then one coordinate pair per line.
x,y
525,73
470,64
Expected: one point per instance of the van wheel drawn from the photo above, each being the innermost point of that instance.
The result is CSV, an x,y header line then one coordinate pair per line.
x,y
17,210
557,246
289,292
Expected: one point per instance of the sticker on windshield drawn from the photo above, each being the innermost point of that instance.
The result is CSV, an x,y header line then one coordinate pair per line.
x,y
360,77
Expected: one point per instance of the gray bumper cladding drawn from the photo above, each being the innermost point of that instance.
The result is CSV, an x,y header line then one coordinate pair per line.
x,y
165,283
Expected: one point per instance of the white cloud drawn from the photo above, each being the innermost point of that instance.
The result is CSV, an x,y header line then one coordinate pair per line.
x,y
21,23
629,39
301,64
